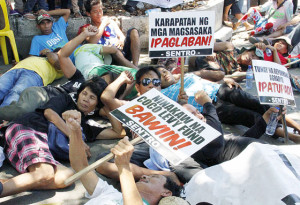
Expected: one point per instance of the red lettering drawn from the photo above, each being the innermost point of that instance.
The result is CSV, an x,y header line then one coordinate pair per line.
x,y
173,140
191,41
205,40
182,145
167,134
270,87
143,116
165,42
172,42
134,109
157,41
184,41
198,41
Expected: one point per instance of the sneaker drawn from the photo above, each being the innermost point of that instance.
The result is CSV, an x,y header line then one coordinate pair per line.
x,y
29,16
14,13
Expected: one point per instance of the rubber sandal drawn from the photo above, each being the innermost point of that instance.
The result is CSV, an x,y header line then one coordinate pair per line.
x,y
29,16
295,82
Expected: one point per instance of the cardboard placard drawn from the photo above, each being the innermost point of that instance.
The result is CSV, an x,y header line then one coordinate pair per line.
x,y
273,83
181,34
165,125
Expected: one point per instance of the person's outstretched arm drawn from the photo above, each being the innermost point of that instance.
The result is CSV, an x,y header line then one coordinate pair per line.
x,y
77,154
123,151
65,62
108,96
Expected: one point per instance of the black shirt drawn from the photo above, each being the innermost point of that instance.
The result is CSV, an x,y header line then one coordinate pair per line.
x,y
72,85
59,104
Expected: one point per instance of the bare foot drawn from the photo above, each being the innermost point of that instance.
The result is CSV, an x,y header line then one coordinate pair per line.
x,y
249,27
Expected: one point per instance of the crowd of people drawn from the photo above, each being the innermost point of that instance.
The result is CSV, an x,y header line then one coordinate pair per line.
x,y
101,68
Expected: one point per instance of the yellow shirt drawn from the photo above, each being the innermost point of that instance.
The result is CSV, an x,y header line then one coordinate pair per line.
x,y
42,67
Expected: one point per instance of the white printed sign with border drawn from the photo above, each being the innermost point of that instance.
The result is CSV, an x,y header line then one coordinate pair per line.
x,y
181,34
273,83
165,125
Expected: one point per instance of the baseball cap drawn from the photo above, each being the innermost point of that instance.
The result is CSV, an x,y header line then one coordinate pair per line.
x,y
42,17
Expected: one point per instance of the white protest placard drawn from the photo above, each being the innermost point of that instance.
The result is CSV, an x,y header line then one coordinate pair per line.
x,y
165,125
163,3
262,174
273,83
181,34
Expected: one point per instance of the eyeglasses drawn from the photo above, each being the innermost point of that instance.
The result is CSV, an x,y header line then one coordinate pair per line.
x,y
147,81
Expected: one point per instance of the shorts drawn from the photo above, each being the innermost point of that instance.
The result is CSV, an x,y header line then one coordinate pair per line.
x,y
127,44
26,146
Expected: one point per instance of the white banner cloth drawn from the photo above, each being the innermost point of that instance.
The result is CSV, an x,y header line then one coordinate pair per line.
x,y
262,175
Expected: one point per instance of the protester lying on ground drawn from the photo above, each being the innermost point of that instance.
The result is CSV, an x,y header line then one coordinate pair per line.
x,y
94,59
148,190
234,106
236,11
211,154
293,40
278,12
235,61
283,29
36,97
111,34
215,152
27,137
53,33
146,79
32,71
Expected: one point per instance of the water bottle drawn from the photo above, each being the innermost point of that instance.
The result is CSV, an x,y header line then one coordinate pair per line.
x,y
272,124
249,77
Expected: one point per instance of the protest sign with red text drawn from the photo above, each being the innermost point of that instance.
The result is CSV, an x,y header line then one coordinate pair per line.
x,y
273,83
181,34
165,125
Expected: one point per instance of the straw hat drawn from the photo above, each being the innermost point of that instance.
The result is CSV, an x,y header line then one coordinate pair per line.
x,y
173,200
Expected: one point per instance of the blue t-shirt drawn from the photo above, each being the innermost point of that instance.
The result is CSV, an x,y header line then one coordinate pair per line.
x,y
192,84
57,39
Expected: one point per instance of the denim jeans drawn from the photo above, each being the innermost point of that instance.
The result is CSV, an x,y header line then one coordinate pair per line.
x,y
30,4
13,82
294,35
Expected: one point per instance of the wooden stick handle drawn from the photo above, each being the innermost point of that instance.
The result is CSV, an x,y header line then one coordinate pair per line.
x,y
96,164
182,72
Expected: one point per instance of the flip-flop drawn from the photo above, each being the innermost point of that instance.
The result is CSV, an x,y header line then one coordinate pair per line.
x,y
295,82
29,16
